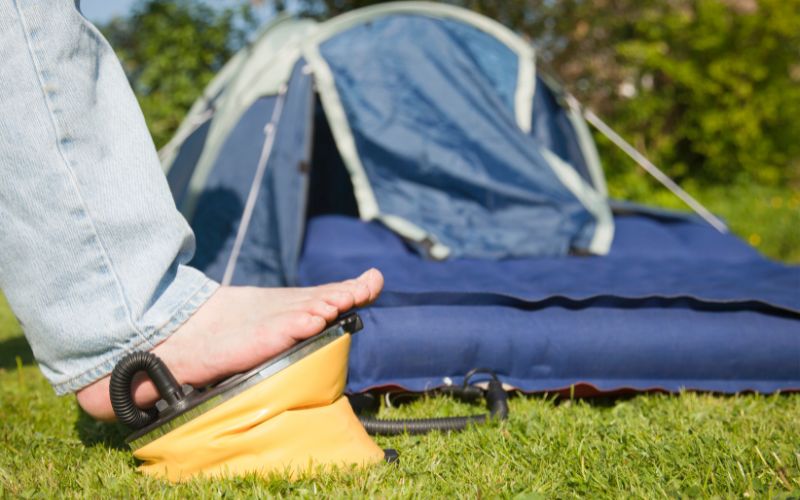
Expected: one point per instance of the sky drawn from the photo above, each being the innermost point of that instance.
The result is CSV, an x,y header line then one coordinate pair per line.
x,y
102,11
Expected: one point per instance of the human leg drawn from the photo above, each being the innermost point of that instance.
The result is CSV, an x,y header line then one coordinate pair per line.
x,y
93,252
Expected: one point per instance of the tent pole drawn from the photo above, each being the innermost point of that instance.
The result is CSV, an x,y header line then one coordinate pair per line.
x,y
648,166
270,130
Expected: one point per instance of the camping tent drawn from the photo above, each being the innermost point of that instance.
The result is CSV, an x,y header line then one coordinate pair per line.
x,y
419,138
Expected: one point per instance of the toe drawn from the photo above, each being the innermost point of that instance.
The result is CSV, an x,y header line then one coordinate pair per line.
x,y
342,300
351,293
292,327
322,309
359,289
373,279
307,324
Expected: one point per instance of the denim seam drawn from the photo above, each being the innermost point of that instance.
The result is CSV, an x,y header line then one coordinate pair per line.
x,y
71,175
177,318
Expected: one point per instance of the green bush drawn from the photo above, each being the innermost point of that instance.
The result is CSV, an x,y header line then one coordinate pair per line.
x,y
711,89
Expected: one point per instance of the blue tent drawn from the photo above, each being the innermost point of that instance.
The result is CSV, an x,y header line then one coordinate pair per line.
x,y
419,138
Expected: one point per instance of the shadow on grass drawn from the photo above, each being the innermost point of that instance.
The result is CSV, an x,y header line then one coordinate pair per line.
x,y
13,347
94,433
369,403
598,401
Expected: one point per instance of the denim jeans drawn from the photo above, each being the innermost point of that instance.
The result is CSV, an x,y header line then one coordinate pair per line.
x,y
93,252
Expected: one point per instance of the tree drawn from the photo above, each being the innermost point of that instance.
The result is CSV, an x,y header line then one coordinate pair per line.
x,y
710,89
170,50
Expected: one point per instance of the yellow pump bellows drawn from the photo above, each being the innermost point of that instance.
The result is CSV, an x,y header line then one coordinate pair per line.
x,y
293,422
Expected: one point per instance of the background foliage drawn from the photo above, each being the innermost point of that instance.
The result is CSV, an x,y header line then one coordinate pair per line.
x,y
170,50
708,89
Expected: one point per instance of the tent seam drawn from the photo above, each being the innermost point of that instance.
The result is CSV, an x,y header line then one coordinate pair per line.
x,y
589,198
526,90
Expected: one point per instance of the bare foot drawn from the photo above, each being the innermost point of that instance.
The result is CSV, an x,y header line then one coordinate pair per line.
x,y
239,328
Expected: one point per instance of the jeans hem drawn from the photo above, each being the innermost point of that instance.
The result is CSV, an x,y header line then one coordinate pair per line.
x,y
181,315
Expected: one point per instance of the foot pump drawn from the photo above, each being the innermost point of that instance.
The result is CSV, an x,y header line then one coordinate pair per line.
x,y
287,415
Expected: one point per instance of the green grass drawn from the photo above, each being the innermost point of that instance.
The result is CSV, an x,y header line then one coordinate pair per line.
x,y
649,445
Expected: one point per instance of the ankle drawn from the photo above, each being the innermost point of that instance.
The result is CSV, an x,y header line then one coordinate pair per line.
x,y
95,400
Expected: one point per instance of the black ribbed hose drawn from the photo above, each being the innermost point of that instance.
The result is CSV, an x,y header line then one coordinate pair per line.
x,y
496,400
120,388
391,427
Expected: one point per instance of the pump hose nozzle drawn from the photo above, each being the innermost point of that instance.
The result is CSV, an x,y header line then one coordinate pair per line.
x,y
496,402
120,388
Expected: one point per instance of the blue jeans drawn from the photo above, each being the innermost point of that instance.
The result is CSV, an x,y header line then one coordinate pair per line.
x,y
92,248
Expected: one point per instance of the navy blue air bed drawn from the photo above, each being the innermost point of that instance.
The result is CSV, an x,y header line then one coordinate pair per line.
x,y
675,305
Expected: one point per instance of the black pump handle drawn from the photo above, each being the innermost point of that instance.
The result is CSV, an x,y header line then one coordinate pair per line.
x,y
120,388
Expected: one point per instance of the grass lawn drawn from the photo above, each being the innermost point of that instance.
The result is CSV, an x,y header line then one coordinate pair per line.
x,y
651,445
